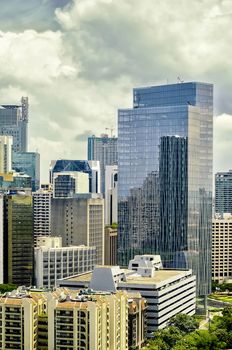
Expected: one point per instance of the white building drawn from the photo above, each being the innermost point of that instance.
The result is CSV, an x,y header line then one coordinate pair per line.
x,y
111,194
53,262
42,213
6,144
222,248
168,292
96,176
68,183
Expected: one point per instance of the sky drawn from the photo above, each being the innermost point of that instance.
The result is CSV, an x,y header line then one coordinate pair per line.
x,y
78,60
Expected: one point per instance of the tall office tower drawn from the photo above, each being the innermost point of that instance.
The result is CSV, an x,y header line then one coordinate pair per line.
x,y
92,169
14,122
104,149
42,213
6,144
222,249
18,239
223,192
111,194
68,183
28,163
80,220
165,177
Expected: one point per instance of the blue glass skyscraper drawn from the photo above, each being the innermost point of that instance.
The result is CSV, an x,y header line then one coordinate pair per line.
x,y
165,177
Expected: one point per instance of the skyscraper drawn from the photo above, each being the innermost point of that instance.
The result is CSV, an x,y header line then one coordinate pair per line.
x,y
223,192
42,213
6,143
104,149
18,239
28,163
14,122
165,177
80,220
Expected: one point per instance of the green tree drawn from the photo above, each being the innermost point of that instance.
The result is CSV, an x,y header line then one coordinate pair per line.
x,y
200,340
185,323
7,288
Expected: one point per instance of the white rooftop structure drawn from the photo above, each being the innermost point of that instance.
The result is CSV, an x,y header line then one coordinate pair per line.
x,y
167,291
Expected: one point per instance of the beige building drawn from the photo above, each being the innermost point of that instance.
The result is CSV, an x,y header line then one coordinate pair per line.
x,y
88,321
111,236
80,221
66,319
222,248
18,323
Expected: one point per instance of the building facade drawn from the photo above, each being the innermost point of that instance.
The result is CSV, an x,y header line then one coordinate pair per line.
x,y
53,262
165,177
89,321
80,220
111,194
28,163
42,213
18,239
14,122
223,192
111,238
67,183
103,149
6,144
18,323
167,292
222,249
92,169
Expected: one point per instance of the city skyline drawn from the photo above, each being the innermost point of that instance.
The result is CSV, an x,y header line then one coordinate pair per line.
x,y
91,60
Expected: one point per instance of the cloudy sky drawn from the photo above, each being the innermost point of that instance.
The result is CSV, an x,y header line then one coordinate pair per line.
x,y
78,61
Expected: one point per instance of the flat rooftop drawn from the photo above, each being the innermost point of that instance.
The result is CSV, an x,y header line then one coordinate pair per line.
x,y
160,277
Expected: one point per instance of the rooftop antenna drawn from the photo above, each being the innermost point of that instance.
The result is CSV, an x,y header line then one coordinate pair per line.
x,y
180,80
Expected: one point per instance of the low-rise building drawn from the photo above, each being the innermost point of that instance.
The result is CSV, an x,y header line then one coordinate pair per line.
x,y
167,291
73,320
222,248
52,261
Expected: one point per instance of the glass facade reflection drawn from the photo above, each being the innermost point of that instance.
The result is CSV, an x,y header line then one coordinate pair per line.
x,y
165,177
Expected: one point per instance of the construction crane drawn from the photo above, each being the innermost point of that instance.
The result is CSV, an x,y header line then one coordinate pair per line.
x,y
111,131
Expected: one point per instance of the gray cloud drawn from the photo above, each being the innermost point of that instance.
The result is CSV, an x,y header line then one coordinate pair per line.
x,y
80,60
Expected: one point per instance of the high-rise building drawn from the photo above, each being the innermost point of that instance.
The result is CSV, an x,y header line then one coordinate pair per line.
x,y
92,169
28,163
68,183
165,177
222,248
223,192
42,213
111,194
111,235
103,149
6,144
80,220
1,239
18,239
14,122
53,262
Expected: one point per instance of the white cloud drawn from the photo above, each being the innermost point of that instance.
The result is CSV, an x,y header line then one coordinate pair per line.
x,y
76,77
